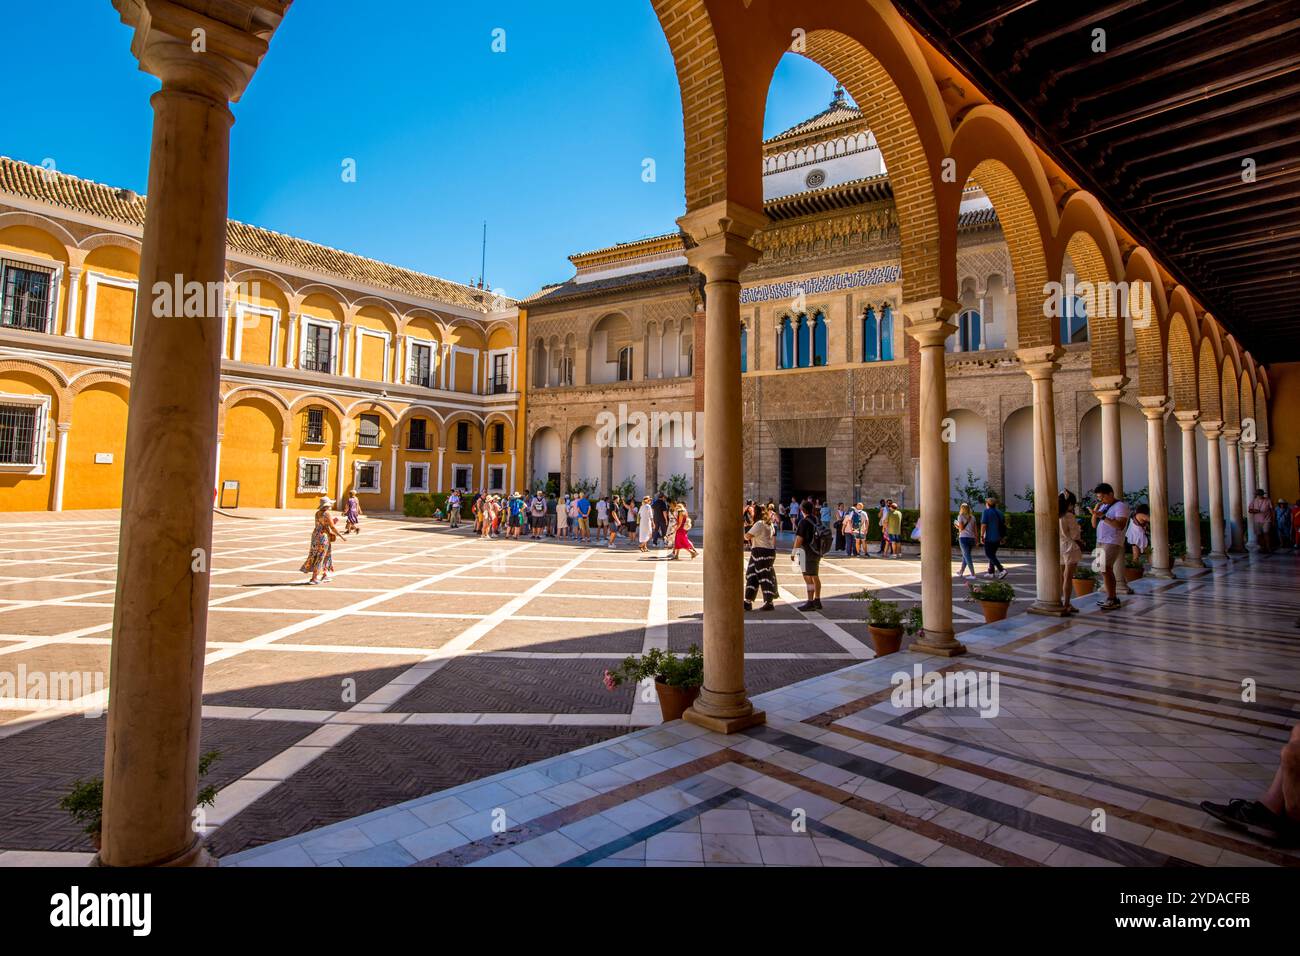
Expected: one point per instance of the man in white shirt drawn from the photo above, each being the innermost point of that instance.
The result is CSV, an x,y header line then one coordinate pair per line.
x,y
1110,518
453,509
602,516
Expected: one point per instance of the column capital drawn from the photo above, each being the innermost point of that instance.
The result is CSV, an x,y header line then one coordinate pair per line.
x,y
1187,419
212,53
1213,429
931,334
1153,406
63,427
1231,433
721,233
928,311
1261,446
1041,362
285,442
1109,388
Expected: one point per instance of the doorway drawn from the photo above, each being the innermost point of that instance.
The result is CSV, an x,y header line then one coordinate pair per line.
x,y
803,473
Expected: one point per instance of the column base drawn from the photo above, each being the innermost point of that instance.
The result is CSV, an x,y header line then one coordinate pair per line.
x,y
1163,573
1048,610
195,855
724,725
943,645
1193,563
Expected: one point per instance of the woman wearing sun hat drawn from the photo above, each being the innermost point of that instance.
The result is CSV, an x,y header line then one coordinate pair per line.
x,y
320,557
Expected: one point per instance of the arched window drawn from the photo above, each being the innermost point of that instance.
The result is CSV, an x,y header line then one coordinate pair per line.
x,y
804,340
968,331
688,361
744,349
1074,321
819,349
785,344
870,336
887,334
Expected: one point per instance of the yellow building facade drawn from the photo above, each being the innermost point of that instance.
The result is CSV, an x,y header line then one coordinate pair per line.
x,y
338,372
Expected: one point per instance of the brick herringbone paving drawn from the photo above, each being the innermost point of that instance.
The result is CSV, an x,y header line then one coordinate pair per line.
x,y
762,676
41,764
577,637
790,638
519,686
301,681
379,766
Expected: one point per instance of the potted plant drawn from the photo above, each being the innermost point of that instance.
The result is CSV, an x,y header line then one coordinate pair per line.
x,y
1084,580
85,801
995,599
677,679
1132,567
884,623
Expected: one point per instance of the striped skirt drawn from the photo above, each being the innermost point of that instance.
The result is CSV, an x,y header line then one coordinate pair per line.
x,y
761,574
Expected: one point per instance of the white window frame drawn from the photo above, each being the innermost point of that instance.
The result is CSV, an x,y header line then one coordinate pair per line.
x,y
428,474
324,476
357,332
473,353
379,424
40,433
357,465
494,470
56,284
93,281
271,312
510,370
468,484
336,340
435,351
306,412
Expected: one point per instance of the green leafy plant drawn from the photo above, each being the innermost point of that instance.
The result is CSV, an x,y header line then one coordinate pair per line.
x,y
1028,496
1135,498
584,487
1178,550
1132,562
661,666
912,621
85,801
883,614
626,489
1084,572
972,491
677,487
998,591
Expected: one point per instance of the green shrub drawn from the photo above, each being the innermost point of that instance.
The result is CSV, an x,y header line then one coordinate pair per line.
x,y
424,505
992,591
662,666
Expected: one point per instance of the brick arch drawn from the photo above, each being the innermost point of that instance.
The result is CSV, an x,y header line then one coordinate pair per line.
x,y
1229,388
1182,364
85,380
51,377
1149,307
1246,397
372,405
238,395
101,239
1261,413
56,231
478,423
317,399
1211,401
263,275
1085,235
411,411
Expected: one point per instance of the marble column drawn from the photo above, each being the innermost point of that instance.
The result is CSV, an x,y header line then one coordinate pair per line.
x,y
1261,466
151,752
721,250
1236,534
513,485
928,323
74,290
1248,494
1191,489
282,487
392,474
60,462
216,469
1158,485
437,482
1219,536
343,474
1108,391
1041,365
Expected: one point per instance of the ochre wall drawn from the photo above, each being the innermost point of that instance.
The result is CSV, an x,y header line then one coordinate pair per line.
x,y
98,426
1284,431
19,490
250,452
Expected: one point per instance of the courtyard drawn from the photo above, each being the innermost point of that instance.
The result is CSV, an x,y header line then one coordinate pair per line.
x,y
433,659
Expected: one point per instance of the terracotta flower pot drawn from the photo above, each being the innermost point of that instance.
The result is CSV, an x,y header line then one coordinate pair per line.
x,y
995,610
1132,574
673,701
1083,586
886,640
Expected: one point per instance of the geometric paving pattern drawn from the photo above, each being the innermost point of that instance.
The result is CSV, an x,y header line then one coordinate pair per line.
x,y
432,660
1105,732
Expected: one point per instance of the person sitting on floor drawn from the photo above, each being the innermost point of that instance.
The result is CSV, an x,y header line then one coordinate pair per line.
x,y
1275,816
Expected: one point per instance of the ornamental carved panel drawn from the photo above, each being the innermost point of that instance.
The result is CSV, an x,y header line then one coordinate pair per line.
x,y
877,438
801,432
809,394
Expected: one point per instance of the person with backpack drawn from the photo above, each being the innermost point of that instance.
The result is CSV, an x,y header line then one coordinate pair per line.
x,y
811,541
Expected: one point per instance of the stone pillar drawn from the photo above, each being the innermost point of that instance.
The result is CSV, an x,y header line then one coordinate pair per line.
x,y
216,468
928,323
282,488
721,233
1214,478
437,483
60,462
1041,365
1108,391
606,471
1261,466
1248,494
1236,538
1158,486
74,290
514,486
392,474
343,473
160,614
652,470
1191,489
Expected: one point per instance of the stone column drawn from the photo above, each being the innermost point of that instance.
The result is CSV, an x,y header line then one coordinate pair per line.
x,y
1158,486
1248,495
216,468
1041,365
60,462
1191,489
606,471
928,323
282,488
721,233
1108,391
74,290
392,474
343,473
160,613
1214,478
1261,466
437,482
1236,538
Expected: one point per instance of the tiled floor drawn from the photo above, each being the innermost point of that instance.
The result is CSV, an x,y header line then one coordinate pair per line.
x,y
1105,732
432,660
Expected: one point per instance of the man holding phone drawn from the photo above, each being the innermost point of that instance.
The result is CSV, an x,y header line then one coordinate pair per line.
x,y
1110,518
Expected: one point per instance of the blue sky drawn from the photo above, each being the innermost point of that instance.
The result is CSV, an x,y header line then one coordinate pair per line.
x,y
545,141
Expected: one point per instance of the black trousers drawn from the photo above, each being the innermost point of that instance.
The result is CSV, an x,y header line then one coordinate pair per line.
x,y
761,574
991,552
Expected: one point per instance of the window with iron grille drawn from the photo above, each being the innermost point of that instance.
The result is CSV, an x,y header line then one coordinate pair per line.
x,y
498,438
462,476
317,350
462,436
367,477
417,439
420,370
497,478
417,477
18,434
368,431
315,430
500,374
25,292
313,475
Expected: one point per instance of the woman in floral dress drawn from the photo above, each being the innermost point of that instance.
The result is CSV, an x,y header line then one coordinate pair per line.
x,y
320,559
